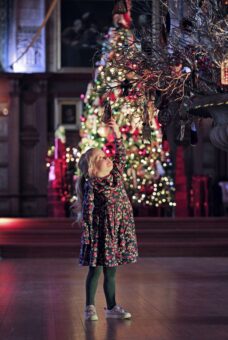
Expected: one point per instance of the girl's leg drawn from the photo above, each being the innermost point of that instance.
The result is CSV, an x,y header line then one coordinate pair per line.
x,y
109,286
91,284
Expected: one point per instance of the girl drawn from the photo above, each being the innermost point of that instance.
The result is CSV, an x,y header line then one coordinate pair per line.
x,y
108,231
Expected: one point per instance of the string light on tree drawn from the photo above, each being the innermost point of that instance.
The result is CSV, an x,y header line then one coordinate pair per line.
x,y
147,162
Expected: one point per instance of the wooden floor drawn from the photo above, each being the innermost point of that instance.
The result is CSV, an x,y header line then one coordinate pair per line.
x,y
169,298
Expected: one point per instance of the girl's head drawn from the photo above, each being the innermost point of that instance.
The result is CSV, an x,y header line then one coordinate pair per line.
x,y
94,162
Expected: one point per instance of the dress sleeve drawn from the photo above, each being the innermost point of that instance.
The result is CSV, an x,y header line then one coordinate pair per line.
x,y
120,155
87,214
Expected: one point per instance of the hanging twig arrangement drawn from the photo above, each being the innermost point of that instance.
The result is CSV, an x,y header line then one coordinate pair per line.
x,y
177,63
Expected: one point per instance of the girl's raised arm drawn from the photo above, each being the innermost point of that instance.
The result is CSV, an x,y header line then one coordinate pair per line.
x,y
120,156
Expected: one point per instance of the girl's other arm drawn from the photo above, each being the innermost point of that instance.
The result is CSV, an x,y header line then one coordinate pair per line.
x,y
87,213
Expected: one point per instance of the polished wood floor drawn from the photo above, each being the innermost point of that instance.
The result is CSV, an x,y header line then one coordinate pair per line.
x,y
169,298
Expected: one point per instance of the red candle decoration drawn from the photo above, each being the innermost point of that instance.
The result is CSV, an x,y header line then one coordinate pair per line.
x,y
224,71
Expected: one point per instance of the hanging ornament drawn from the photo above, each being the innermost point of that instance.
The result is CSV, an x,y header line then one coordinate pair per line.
x,y
120,7
146,131
182,132
109,149
107,113
224,72
125,86
193,135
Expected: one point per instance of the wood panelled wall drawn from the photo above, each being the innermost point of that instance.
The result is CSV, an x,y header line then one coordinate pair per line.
x,y
25,134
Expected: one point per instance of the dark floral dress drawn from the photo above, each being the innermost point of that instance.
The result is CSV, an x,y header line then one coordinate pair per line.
x,y
108,229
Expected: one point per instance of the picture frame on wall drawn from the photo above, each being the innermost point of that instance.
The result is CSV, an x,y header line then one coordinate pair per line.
x,y
67,113
81,28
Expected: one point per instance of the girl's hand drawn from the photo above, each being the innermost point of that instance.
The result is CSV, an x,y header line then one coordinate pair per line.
x,y
113,125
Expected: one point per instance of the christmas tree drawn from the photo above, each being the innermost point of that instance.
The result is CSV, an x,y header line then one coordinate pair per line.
x,y
148,169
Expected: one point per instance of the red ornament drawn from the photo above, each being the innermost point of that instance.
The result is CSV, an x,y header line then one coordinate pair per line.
x,y
135,134
82,119
112,96
109,149
142,152
125,128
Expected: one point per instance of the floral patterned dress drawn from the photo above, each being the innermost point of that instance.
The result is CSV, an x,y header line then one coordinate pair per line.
x,y
108,229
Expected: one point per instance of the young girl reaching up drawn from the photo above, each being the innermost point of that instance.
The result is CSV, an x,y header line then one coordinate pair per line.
x,y
108,230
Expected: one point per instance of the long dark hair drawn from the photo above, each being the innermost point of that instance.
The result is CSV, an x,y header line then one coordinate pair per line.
x,y
86,168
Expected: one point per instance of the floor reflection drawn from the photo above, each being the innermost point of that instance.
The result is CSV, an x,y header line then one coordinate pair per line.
x,y
112,328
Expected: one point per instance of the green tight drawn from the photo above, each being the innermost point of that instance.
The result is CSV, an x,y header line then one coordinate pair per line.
x,y
109,285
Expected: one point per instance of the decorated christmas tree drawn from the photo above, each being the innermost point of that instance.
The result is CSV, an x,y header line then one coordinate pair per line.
x,y
148,169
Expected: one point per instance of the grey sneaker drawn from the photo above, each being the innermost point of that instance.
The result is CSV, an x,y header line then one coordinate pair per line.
x,y
117,312
90,313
